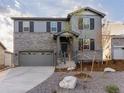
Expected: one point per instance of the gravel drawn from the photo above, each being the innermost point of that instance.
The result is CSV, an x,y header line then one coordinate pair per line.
x,y
94,85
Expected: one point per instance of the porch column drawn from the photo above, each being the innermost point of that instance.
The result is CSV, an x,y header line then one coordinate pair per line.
x,y
75,43
75,49
58,45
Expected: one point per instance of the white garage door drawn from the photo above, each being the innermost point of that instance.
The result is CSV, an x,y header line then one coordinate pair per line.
x,y
118,53
42,58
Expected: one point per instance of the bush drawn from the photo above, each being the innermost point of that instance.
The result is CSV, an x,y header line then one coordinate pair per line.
x,y
112,89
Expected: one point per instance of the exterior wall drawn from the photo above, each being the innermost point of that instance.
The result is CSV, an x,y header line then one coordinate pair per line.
x,y
26,41
39,26
90,55
2,55
116,42
95,34
8,59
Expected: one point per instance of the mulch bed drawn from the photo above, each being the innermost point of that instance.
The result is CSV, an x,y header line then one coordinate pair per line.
x,y
96,84
117,65
2,67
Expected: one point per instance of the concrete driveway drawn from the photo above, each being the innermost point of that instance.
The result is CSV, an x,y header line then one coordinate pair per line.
x,y
22,79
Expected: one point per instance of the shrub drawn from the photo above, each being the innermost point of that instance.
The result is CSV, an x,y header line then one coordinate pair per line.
x,y
112,89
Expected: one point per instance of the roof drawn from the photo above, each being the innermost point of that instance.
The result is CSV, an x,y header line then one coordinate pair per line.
x,y
87,9
40,18
9,52
2,45
59,18
70,32
118,36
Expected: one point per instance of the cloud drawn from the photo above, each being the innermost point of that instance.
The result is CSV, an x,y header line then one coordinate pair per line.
x,y
17,4
6,25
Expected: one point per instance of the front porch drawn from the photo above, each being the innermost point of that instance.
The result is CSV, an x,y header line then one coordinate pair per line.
x,y
67,47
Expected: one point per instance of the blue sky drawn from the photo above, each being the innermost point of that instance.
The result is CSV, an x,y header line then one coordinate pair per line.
x,y
113,8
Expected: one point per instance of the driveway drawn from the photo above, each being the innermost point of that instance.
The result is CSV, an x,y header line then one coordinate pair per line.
x,y
22,79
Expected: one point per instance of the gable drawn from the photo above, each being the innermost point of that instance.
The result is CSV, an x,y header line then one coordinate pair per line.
x,y
86,11
2,46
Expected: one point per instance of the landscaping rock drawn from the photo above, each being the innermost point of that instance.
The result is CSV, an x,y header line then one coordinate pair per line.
x,y
108,69
68,82
70,68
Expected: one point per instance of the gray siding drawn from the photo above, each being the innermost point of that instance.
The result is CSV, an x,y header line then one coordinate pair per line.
x,y
95,34
39,26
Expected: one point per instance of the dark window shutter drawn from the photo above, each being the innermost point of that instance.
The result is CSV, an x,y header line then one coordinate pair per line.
x,y
58,26
20,24
48,26
91,23
31,26
92,44
80,23
81,44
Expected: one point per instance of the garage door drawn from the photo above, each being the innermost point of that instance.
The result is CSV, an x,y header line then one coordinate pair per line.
x,y
118,53
43,58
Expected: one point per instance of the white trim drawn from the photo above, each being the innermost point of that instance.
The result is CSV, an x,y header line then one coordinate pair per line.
x,y
118,46
54,26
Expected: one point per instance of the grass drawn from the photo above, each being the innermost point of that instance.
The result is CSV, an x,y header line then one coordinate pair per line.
x,y
112,88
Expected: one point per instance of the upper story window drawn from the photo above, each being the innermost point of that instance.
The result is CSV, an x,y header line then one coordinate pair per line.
x,y
26,26
86,23
54,26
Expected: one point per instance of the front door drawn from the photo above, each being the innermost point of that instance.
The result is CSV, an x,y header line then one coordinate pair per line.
x,y
64,47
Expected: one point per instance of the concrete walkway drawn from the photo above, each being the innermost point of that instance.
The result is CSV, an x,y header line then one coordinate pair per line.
x,y
22,79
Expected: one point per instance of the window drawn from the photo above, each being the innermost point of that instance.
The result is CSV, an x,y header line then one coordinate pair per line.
x,y
86,23
26,26
54,26
87,44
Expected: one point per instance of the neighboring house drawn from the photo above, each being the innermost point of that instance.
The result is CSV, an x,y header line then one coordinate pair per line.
x,y
45,41
113,41
2,52
8,58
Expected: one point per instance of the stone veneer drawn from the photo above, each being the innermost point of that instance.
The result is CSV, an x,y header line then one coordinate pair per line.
x,y
27,41
88,55
38,41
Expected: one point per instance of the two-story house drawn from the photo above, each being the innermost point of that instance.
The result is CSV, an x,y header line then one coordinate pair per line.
x,y
41,41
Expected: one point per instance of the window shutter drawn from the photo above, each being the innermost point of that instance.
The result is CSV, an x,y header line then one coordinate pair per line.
x,y
31,26
20,24
48,26
92,44
91,23
80,23
58,26
81,44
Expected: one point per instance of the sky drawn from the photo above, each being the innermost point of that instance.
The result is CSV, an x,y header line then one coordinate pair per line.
x,y
51,8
